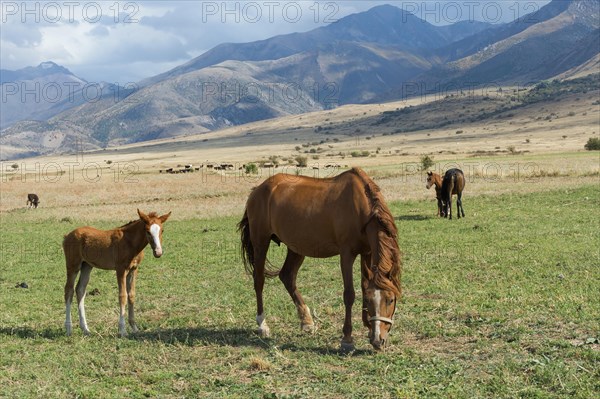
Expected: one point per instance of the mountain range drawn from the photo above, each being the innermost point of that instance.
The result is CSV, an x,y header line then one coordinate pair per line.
x,y
382,54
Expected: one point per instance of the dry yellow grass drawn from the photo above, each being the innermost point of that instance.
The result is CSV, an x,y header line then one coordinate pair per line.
x,y
110,185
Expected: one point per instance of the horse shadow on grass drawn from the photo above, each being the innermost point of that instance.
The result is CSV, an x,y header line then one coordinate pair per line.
x,y
202,336
30,333
235,337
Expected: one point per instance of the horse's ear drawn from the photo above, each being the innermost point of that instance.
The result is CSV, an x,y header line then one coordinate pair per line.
x,y
143,216
429,173
164,218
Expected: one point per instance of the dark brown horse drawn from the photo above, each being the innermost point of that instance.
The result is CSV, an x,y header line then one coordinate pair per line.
x,y
345,215
433,179
33,200
121,249
453,184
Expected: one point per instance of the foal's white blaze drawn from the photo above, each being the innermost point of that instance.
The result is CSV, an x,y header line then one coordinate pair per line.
x,y
155,233
377,298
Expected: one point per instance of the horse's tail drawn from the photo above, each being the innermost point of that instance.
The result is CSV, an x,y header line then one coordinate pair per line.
x,y
247,250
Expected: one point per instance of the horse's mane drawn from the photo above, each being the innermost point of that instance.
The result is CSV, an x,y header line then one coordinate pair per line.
x,y
150,215
387,274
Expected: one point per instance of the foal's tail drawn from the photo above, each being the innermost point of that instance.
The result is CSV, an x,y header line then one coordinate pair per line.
x,y
247,250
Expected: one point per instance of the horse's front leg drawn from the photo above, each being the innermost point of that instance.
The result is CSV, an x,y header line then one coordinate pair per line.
x,y
365,262
122,283
346,262
131,277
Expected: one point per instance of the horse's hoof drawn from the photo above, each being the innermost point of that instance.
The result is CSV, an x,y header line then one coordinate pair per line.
x,y
264,332
308,328
346,347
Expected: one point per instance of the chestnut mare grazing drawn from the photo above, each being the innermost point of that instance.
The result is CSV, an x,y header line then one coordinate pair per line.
x,y
120,249
345,215
433,179
453,183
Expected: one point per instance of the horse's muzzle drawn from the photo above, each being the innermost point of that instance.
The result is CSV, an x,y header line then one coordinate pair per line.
x,y
378,345
157,253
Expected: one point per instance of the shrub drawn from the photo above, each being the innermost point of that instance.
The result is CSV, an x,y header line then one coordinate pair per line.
x,y
426,162
302,161
251,168
593,144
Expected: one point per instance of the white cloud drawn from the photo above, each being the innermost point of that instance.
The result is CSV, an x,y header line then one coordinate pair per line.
x,y
123,41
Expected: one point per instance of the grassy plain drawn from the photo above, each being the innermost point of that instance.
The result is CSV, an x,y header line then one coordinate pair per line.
x,y
502,303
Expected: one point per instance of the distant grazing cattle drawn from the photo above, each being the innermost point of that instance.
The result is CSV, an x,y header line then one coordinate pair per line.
x,y
32,200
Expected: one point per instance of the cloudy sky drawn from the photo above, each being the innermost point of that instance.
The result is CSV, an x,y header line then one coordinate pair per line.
x,y
126,41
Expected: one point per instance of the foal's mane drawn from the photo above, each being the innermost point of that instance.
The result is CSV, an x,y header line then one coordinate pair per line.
x,y
150,215
387,274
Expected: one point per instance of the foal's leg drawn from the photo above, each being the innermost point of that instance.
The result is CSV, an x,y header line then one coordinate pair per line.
x,y
122,283
346,262
260,256
288,275
131,276
84,279
72,271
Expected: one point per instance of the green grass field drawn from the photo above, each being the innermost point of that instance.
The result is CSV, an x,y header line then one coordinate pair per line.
x,y
501,304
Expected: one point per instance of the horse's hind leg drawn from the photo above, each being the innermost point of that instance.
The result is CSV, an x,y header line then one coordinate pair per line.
x,y
84,279
69,290
288,275
459,206
131,298
260,256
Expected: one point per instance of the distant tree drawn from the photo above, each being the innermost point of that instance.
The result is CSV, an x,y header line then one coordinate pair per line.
x,y
251,168
593,144
302,161
426,162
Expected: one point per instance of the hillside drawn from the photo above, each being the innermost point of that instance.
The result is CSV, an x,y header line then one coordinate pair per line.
x,y
36,93
384,54
552,116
